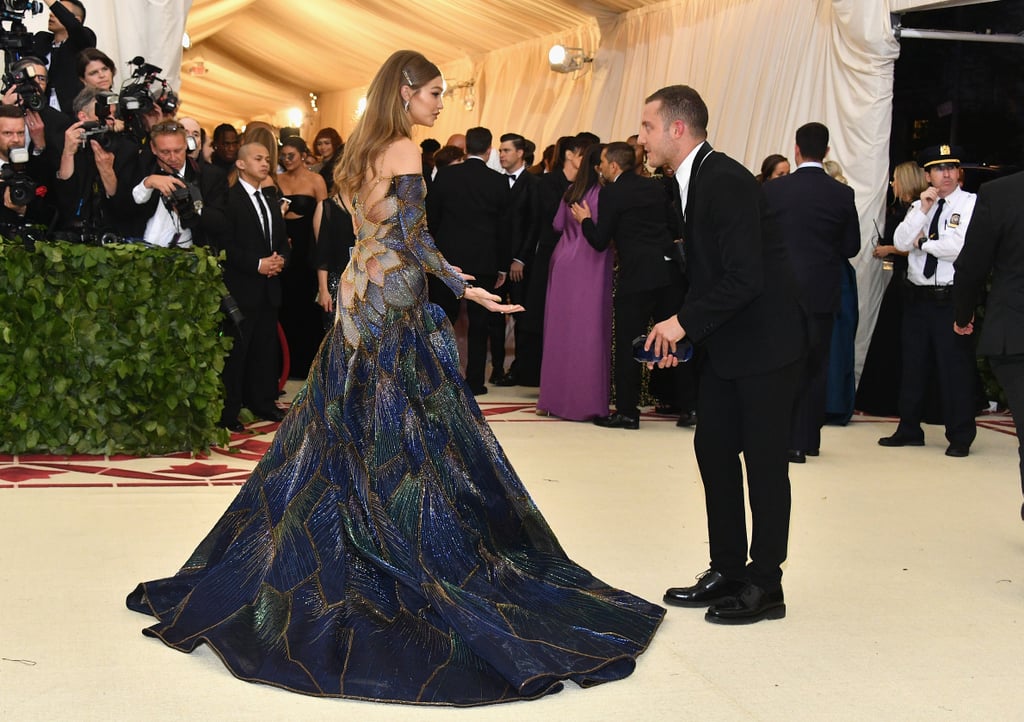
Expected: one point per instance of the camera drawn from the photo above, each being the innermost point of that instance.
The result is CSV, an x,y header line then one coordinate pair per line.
x,y
20,7
229,306
30,95
187,202
96,130
141,93
20,185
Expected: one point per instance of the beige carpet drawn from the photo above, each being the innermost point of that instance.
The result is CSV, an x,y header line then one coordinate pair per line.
x,y
904,583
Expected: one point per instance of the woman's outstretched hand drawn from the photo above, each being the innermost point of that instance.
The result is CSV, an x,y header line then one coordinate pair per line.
x,y
490,301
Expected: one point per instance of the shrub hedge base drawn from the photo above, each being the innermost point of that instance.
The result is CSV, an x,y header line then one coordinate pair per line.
x,y
109,349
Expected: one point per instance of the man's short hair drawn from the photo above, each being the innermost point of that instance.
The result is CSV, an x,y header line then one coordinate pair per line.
x,y
81,8
25,61
681,102
85,98
220,130
11,111
167,127
622,155
529,150
430,146
518,142
478,140
812,140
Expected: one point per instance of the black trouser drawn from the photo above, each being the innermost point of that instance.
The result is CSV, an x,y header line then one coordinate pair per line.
x,y
809,405
1009,371
633,313
928,338
484,326
748,415
250,375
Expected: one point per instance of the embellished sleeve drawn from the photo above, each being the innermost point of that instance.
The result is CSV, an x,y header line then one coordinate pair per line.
x,y
411,192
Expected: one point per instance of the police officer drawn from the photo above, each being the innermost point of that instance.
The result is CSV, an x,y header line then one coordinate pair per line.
x,y
933,234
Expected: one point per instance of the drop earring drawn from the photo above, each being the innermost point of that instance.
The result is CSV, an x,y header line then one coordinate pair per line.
x,y
406,106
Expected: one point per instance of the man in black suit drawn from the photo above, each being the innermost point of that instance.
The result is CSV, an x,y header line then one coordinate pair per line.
x,y
515,154
163,219
256,246
650,284
995,242
65,37
465,208
742,308
818,221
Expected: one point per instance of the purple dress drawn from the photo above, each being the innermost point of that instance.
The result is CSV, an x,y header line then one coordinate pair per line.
x,y
575,374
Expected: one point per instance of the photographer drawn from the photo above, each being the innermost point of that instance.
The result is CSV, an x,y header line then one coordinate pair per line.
x,y
22,202
27,86
65,38
89,197
180,204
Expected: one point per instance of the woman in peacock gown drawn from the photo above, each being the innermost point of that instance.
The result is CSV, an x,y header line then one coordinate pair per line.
x,y
384,548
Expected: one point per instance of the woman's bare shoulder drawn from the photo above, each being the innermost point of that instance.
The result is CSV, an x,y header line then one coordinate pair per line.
x,y
402,157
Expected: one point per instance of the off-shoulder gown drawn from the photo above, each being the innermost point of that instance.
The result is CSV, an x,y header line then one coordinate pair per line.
x,y
384,548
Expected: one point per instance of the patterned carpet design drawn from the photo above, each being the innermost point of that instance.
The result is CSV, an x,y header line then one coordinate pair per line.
x,y
231,465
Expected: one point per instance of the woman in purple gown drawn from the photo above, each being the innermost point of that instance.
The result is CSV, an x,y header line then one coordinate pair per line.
x,y
575,374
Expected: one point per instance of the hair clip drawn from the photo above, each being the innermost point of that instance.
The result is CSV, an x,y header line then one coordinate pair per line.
x,y
408,80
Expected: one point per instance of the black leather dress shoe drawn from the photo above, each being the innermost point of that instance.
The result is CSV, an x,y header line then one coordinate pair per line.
x,y
274,414
796,456
617,421
478,391
751,605
958,450
712,587
506,380
687,418
496,378
233,426
813,452
899,439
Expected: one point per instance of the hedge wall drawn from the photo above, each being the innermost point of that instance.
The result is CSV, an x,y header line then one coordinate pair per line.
x,y
109,349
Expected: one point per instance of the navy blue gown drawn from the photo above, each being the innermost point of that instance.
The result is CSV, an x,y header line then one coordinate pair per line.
x,y
384,548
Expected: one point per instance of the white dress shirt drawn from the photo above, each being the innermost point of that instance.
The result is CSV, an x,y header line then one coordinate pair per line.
x,y
162,225
956,217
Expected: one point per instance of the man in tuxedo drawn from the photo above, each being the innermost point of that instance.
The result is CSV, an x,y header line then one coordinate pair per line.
x,y
818,222
256,248
742,308
995,242
166,216
650,284
515,154
465,208
65,37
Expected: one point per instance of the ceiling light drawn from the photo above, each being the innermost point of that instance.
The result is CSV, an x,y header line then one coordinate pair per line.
x,y
567,60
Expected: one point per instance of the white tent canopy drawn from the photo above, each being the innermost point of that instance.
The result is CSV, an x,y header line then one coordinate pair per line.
x,y
763,68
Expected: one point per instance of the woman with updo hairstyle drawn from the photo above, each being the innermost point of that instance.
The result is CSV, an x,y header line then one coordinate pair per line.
x,y
384,548
95,69
773,166
302,191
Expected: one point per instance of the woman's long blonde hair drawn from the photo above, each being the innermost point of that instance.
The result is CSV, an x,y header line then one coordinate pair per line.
x,y
385,118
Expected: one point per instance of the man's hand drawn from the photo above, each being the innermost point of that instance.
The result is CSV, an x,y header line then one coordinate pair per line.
x,y
73,138
964,330
580,210
104,158
164,184
20,210
501,279
928,198
36,128
515,271
663,338
271,265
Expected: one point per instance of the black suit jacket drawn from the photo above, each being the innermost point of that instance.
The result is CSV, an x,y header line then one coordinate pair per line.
x,y
244,245
518,225
212,183
62,71
465,208
818,222
994,241
741,304
633,214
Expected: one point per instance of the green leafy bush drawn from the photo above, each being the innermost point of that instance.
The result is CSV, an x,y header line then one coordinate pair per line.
x,y
109,349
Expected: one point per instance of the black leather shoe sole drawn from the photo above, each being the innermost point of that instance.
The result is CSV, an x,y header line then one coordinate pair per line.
x,y
617,421
687,419
715,616
895,440
958,451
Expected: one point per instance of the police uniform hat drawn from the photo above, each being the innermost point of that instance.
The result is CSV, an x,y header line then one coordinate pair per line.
x,y
939,155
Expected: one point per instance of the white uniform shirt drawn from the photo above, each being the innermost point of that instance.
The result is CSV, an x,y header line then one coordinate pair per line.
x,y
953,223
